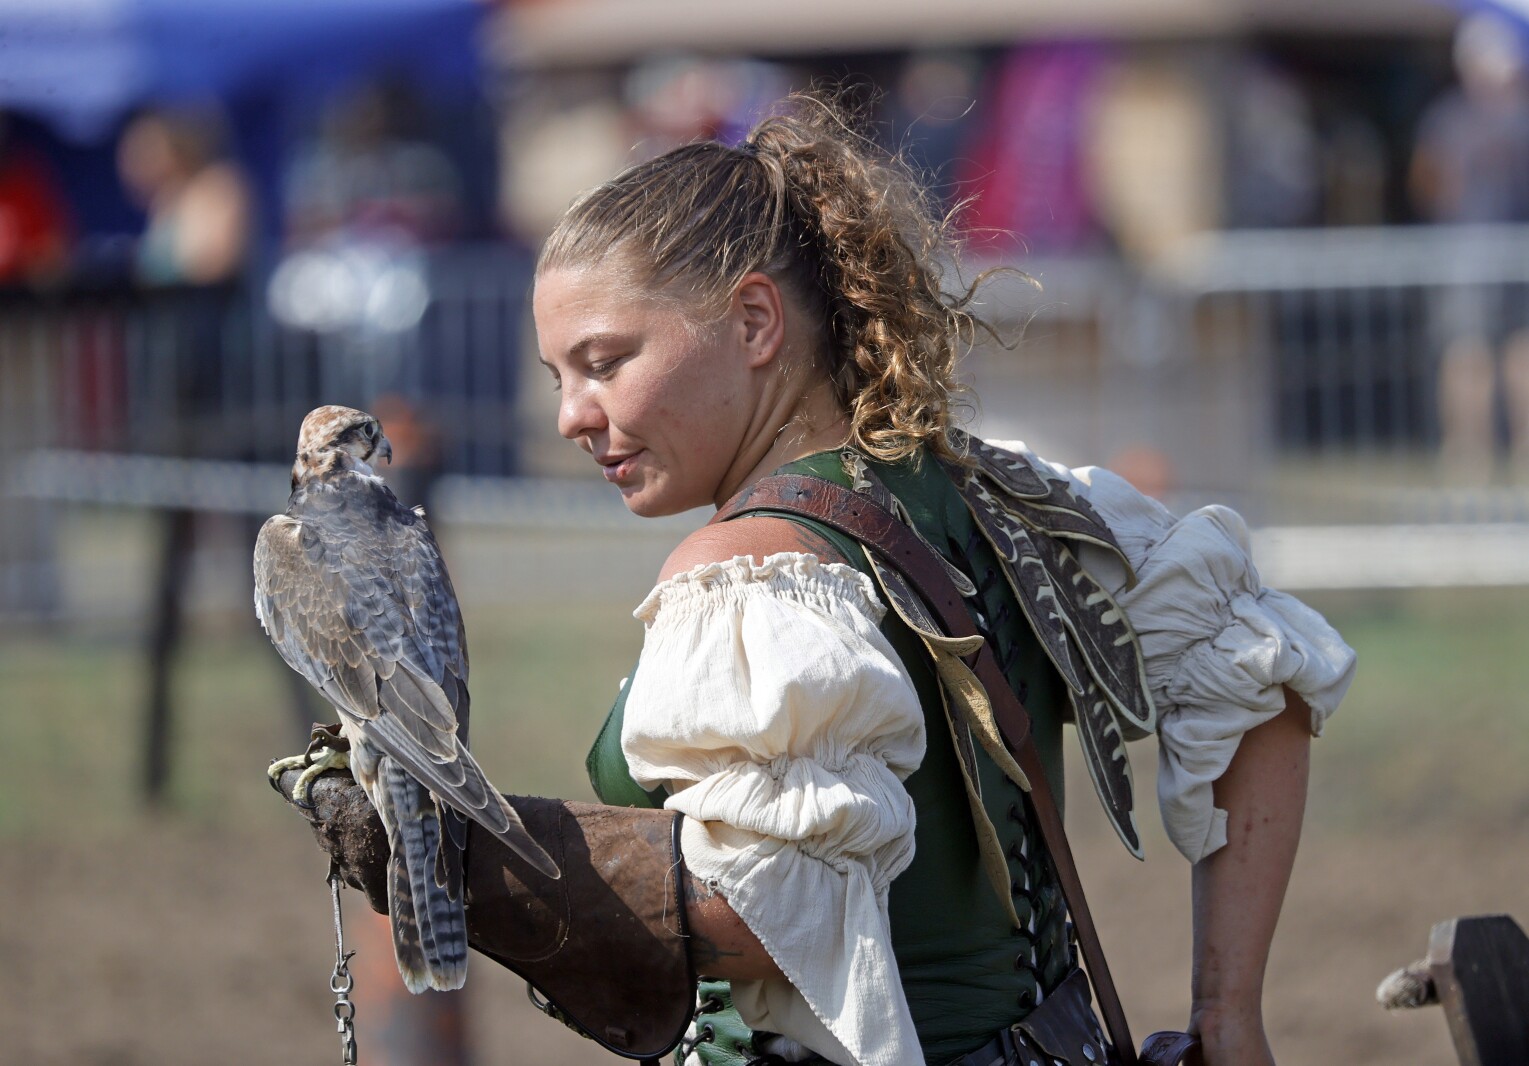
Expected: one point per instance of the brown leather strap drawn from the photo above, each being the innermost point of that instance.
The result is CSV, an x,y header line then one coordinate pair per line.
x,y
1167,1048
881,531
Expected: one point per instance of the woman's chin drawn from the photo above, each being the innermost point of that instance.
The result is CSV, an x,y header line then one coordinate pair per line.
x,y
642,501
645,501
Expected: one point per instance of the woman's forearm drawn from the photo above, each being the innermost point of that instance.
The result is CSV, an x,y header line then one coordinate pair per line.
x,y
1239,889
721,945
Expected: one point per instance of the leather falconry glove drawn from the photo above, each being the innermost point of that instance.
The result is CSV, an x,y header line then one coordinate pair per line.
x,y
604,944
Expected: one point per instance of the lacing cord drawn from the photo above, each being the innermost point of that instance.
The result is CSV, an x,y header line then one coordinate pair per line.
x,y
706,1033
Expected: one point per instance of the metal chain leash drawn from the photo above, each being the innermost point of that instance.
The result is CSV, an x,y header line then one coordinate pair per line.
x,y
341,981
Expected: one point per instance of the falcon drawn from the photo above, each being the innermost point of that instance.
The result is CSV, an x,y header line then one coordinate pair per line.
x,y
351,588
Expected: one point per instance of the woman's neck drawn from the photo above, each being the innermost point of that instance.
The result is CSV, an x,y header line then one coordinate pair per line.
x,y
797,423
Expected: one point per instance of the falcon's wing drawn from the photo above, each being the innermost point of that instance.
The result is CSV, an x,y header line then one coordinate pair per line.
x,y
358,601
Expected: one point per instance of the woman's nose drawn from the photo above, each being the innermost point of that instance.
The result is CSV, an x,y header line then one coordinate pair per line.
x,y
578,413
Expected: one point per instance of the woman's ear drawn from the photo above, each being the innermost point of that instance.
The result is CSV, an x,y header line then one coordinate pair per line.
x,y
759,311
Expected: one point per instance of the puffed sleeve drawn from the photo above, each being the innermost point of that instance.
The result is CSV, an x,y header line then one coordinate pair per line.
x,y
769,702
1219,646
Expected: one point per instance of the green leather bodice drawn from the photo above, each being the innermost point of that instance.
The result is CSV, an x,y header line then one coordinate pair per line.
x,y
966,969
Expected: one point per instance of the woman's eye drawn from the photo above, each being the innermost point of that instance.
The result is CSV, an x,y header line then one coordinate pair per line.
x,y
603,369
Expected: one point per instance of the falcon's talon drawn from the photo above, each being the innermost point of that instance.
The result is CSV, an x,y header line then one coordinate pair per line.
x,y
291,762
313,763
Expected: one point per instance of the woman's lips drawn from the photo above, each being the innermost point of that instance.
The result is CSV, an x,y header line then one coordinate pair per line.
x,y
619,467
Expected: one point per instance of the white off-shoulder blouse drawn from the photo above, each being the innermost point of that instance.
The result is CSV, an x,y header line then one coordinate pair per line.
x,y
771,706
1219,647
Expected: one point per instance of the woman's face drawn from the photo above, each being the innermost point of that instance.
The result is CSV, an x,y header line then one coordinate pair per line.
x,y
663,406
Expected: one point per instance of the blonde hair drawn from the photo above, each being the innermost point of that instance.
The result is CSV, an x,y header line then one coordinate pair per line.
x,y
840,225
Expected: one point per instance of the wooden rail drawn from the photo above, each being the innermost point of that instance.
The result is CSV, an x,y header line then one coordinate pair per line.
x,y
1477,969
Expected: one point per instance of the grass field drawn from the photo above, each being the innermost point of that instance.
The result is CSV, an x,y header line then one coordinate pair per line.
x,y
131,925
1433,729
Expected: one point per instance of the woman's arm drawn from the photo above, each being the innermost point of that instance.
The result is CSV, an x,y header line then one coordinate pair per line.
x,y
1238,890
721,945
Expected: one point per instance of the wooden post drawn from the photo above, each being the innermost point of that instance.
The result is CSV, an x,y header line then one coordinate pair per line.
x,y
1480,966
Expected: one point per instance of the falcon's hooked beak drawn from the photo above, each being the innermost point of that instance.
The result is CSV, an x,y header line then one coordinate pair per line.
x,y
384,450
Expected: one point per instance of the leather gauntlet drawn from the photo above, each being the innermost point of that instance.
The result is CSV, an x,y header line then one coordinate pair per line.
x,y
605,943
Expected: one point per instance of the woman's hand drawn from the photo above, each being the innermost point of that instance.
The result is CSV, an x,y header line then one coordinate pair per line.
x,y
1239,889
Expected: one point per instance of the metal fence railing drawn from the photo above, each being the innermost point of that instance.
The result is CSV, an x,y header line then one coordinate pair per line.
x,y
1353,324
1245,355
125,395
210,373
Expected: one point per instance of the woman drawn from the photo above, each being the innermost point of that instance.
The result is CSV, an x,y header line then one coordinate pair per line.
x,y
866,879
720,314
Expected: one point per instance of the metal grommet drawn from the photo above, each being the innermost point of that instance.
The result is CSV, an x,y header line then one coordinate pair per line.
x,y
707,1035
1088,1052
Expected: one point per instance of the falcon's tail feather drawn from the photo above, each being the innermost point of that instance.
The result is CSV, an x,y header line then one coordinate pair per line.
x,y
429,920
462,784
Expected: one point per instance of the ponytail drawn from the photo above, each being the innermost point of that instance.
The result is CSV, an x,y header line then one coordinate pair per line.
x,y
842,226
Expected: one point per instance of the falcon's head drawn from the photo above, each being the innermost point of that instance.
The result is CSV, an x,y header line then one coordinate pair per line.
x,y
338,438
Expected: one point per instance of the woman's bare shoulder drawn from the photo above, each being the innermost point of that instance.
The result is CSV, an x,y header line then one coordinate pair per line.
x,y
755,536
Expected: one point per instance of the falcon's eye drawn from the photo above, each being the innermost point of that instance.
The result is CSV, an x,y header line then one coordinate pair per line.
x,y
369,431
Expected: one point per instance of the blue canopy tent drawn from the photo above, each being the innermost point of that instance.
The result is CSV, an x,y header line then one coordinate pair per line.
x,y
1517,8
1514,14
80,65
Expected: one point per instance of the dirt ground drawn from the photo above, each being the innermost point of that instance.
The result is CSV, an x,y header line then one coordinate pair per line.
x,y
174,943
203,935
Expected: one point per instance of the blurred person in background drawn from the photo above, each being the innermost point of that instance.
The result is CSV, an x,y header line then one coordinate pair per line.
x,y
1025,172
364,204
567,133
1155,157
933,112
36,230
857,889
1273,169
372,176
1471,167
558,138
197,201
189,263
676,100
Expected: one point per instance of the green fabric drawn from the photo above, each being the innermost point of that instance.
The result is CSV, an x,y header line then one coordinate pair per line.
x,y
606,765
966,970
718,1036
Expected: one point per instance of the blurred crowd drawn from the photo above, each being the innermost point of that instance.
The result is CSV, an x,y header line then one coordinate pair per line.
x,y
327,212
176,201
1046,147
1081,148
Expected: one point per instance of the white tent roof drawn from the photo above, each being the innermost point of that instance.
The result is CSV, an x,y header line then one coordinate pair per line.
x,y
564,33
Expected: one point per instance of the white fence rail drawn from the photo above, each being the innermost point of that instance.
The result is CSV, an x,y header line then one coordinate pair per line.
x,y
1244,358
